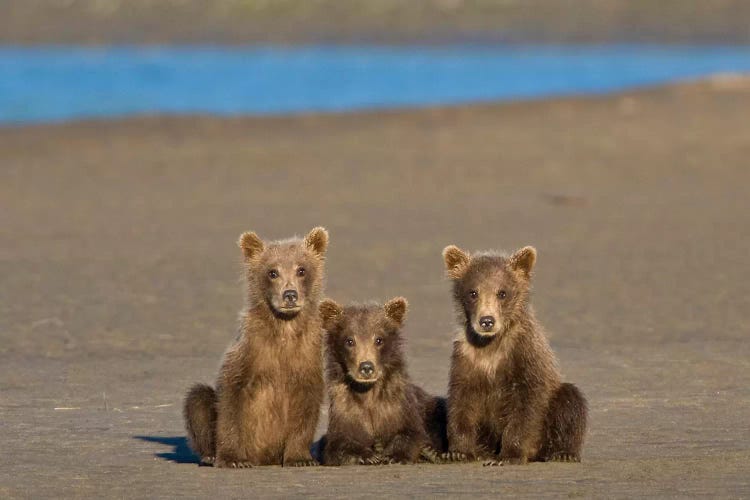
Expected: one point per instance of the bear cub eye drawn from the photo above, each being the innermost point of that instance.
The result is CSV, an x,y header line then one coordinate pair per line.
x,y
349,342
473,294
273,274
379,341
300,271
501,294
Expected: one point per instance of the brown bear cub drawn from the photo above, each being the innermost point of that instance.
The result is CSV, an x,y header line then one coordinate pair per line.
x,y
270,386
506,403
377,416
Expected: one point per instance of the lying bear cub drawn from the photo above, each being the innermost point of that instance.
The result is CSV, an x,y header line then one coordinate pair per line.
x,y
377,416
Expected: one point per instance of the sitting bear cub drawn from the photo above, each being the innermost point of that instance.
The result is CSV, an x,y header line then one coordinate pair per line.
x,y
506,402
265,406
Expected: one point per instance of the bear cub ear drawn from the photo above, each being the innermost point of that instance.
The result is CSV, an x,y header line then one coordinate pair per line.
x,y
523,260
330,312
395,310
251,245
456,261
317,240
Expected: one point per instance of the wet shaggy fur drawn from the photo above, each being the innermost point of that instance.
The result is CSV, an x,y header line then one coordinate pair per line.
x,y
377,416
270,386
506,402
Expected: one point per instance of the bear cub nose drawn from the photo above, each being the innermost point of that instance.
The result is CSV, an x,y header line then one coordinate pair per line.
x,y
290,296
366,368
486,322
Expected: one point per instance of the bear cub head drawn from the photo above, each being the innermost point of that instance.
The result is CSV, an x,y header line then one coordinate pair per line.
x,y
287,275
364,341
490,290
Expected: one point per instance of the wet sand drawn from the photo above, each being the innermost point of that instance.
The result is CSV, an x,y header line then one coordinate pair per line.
x,y
120,280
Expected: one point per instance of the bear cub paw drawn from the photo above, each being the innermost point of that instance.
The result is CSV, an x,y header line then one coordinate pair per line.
x,y
564,457
229,464
454,456
302,463
428,454
372,460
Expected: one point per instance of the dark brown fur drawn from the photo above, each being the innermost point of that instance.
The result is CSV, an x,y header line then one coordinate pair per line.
x,y
506,402
270,386
379,417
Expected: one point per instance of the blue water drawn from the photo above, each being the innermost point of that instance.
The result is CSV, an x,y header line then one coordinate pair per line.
x,y
61,83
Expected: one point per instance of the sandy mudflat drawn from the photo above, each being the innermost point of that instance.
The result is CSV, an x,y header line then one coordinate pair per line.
x,y
383,21
120,280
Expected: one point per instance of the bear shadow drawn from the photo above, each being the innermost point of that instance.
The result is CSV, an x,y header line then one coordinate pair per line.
x,y
181,452
317,449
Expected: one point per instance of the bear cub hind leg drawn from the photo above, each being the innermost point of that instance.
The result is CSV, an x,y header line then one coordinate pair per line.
x,y
200,421
565,426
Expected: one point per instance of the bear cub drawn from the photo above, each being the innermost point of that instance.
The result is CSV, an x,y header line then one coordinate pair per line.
x,y
506,402
270,387
377,416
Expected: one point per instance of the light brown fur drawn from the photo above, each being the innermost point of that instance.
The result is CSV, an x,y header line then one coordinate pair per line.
x,y
270,384
506,402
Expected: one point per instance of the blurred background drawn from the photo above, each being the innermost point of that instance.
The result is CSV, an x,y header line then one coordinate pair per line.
x,y
68,59
139,138
387,21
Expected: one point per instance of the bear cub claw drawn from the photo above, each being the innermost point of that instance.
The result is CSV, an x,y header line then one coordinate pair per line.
x,y
232,465
373,460
428,454
565,457
454,456
302,463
